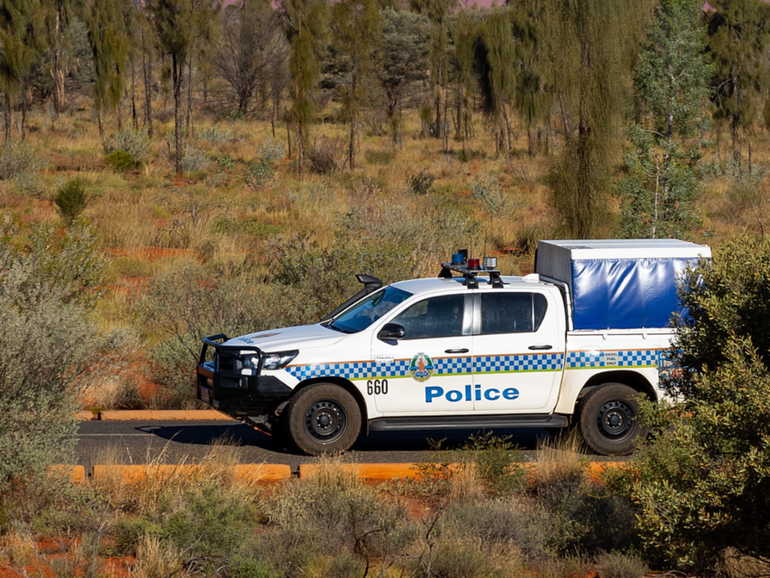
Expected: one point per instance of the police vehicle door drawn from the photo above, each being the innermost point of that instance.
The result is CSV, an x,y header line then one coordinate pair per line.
x,y
518,351
429,369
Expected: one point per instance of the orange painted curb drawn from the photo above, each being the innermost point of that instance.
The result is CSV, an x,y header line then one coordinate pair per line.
x,y
365,471
76,474
245,472
86,415
160,415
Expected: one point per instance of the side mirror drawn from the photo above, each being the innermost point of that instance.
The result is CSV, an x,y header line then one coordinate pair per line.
x,y
391,331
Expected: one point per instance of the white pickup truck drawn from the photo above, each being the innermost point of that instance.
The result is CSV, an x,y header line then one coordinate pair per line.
x,y
575,342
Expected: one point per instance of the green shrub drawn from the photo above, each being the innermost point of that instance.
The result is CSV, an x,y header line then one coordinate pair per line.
x,y
47,342
193,159
120,161
71,200
259,174
497,462
703,479
188,302
134,142
271,151
18,158
421,183
214,134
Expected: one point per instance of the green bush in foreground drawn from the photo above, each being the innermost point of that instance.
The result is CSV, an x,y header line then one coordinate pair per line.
x,y
47,342
703,488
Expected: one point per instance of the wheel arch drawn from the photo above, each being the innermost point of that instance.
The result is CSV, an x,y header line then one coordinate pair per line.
x,y
347,386
632,379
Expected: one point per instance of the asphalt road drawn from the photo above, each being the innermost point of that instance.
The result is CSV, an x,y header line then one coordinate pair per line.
x,y
174,442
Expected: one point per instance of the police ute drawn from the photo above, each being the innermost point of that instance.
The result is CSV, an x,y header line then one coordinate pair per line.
x,y
577,342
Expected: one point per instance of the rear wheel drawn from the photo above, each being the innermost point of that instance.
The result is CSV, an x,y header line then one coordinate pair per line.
x,y
608,419
324,419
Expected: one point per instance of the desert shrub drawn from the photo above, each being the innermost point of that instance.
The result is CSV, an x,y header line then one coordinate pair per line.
x,y
259,174
18,158
48,342
135,142
335,512
271,151
324,156
503,520
496,461
207,525
71,200
214,134
421,183
315,281
120,161
193,159
188,302
495,198
615,565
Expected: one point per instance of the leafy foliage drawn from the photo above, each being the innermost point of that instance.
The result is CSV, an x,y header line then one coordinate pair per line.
x,y
704,480
48,342
71,200
661,187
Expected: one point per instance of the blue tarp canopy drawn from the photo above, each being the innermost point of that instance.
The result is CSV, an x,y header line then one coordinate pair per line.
x,y
625,293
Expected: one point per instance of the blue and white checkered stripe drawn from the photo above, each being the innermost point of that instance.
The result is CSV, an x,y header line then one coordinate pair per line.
x,y
628,358
442,366
510,363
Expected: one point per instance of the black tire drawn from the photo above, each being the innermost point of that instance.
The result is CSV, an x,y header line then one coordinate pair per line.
x,y
608,419
324,419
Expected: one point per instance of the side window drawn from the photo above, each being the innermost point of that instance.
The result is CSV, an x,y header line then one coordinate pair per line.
x,y
434,317
512,312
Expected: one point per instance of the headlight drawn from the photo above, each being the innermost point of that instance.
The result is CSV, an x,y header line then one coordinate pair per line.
x,y
278,360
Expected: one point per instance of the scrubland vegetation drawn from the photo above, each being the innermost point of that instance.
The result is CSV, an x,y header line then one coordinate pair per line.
x,y
172,170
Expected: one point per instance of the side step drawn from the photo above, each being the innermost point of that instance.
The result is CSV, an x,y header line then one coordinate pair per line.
x,y
468,421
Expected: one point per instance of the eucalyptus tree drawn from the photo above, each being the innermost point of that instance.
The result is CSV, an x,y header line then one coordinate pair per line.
x,y
180,25
533,93
250,50
438,12
465,31
305,23
591,44
23,38
402,61
109,48
498,72
738,36
356,27
666,141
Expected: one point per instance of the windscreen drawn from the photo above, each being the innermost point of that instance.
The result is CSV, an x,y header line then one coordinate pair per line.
x,y
366,312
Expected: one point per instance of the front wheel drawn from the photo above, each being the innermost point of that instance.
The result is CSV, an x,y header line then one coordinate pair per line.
x,y
608,419
324,419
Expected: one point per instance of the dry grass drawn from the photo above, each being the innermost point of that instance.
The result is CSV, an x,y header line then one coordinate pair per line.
x,y
559,459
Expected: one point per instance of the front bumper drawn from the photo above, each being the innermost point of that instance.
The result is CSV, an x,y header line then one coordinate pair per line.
x,y
223,384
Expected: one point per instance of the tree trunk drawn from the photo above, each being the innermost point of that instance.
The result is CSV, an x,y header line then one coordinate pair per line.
x,y
133,93
58,70
147,73
288,137
23,111
188,115
352,153
7,117
100,119
178,76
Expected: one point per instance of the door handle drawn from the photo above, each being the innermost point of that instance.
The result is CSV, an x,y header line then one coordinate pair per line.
x,y
463,350
540,347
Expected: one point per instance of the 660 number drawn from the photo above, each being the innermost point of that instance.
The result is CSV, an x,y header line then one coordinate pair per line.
x,y
377,386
